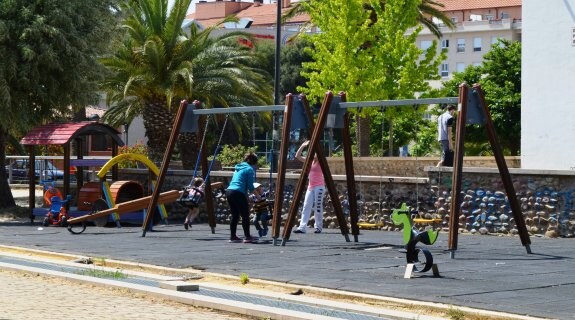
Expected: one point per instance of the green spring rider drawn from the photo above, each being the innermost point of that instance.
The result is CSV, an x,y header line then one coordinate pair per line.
x,y
411,236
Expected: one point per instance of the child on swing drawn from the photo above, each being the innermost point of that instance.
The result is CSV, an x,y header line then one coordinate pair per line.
x,y
260,207
198,186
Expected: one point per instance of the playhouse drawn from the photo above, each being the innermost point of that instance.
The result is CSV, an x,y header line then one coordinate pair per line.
x,y
102,193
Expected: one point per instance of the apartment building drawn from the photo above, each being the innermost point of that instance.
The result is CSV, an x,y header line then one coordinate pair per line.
x,y
479,24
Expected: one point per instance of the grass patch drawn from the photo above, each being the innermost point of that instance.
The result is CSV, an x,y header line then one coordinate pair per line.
x,y
455,314
115,275
244,278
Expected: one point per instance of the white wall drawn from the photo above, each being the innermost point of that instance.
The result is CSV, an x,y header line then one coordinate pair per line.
x,y
548,85
136,132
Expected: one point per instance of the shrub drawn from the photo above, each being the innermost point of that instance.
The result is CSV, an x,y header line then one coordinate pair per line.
x,y
230,155
138,148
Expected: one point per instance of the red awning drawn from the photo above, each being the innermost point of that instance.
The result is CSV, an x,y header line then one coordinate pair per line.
x,y
62,133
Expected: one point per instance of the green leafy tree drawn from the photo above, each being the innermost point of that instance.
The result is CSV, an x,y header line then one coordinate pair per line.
x,y
370,60
49,50
500,79
502,86
475,135
428,9
158,64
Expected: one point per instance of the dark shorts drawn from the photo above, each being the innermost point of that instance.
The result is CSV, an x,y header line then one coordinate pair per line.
x,y
444,149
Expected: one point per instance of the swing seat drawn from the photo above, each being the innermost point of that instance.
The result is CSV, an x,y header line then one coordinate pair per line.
x,y
366,225
426,221
191,197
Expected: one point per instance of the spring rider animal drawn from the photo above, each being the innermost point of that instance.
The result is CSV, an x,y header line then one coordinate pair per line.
x,y
411,236
57,214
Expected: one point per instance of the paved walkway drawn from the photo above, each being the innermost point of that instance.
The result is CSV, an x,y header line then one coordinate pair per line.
x,y
26,297
488,272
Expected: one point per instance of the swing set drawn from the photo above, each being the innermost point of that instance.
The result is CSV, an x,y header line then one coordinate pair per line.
x,y
334,113
188,119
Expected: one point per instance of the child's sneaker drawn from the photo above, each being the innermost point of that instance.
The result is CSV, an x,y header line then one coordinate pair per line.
x,y
235,239
265,232
298,230
317,230
261,233
250,240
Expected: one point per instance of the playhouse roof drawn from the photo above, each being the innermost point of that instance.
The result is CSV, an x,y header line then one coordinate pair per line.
x,y
62,133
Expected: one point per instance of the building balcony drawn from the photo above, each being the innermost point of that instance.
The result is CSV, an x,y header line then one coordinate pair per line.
x,y
479,26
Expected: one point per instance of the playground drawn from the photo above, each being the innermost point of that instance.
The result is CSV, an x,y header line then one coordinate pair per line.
x,y
483,211
429,242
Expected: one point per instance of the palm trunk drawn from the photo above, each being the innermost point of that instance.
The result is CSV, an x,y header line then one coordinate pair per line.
x,y
6,198
188,146
158,122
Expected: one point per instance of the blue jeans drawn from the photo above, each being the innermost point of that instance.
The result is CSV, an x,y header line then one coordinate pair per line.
x,y
262,217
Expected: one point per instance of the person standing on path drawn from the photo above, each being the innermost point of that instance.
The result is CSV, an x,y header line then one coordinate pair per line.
x,y
237,194
444,133
313,196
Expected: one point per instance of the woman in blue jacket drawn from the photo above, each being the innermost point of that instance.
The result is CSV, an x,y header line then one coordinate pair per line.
x,y
237,194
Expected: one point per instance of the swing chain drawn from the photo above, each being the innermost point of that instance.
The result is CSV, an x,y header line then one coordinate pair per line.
x,y
200,150
217,147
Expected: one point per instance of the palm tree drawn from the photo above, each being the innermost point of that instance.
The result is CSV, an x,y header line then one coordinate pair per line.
x,y
158,64
428,9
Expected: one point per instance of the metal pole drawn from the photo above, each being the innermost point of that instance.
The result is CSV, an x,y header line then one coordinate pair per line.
x,y
278,48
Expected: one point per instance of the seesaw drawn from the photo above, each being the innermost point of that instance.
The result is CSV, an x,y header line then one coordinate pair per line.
x,y
78,225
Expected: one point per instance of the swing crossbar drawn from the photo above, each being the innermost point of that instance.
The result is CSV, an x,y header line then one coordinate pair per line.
x,y
390,103
238,109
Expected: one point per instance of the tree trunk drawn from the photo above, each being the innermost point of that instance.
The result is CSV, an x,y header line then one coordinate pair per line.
x,y
158,122
390,138
363,134
6,198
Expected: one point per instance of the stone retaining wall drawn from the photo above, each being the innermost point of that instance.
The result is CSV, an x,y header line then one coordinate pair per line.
x,y
546,196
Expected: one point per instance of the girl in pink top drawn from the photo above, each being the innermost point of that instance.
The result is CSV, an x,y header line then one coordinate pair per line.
x,y
313,196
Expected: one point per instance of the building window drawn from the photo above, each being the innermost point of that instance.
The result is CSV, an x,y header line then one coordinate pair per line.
x,y
475,17
425,44
454,19
504,15
460,67
489,17
444,43
476,44
573,37
460,45
445,70
477,64
495,42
